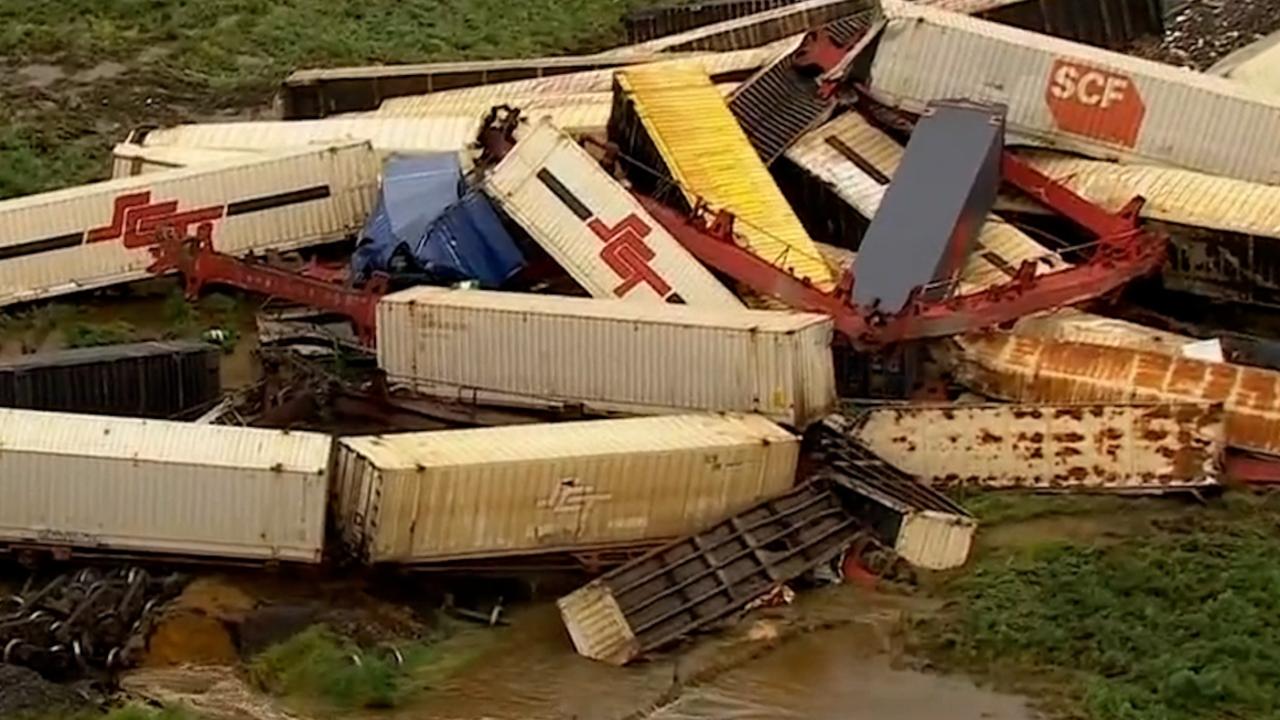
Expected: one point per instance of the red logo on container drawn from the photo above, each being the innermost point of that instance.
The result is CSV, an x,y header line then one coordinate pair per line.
x,y
135,220
1095,103
627,254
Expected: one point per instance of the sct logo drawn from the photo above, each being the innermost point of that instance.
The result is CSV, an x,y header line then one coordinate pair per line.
x,y
1095,103
627,254
135,219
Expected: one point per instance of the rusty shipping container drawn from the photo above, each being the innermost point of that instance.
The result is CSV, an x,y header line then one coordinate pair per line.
x,y
151,379
108,485
607,355
1112,447
101,234
1041,371
1076,97
593,227
534,489
649,23
700,580
441,133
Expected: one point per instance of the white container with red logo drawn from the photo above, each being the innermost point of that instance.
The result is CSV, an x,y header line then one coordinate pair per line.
x,y
1076,97
593,227
102,234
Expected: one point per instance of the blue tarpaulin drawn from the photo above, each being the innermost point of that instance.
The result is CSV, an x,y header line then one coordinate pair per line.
x,y
427,217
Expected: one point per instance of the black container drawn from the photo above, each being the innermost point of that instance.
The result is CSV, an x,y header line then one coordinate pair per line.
x,y
148,379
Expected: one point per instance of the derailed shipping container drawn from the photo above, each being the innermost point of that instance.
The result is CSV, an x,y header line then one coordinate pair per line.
x,y
594,228
111,485
1033,370
535,489
606,355
150,379
1066,95
1051,447
441,133
101,234
129,159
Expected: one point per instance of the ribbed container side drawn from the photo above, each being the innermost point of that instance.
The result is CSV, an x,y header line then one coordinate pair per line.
x,y
611,355
100,234
594,228
753,30
1113,447
104,483
1071,325
525,489
711,158
857,160
128,159
935,540
1175,196
1033,370
597,625
440,133
353,497
724,68
1093,101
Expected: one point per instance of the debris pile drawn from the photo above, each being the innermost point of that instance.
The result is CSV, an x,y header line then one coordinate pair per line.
x,y
731,232
1202,32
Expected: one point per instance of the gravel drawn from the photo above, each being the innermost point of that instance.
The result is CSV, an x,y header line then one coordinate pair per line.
x,y
1205,31
23,692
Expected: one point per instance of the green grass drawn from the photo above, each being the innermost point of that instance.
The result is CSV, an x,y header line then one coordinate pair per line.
x,y
320,665
87,334
187,59
1179,624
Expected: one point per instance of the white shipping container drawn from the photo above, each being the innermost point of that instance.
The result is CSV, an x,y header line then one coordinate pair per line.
x,y
607,355
129,159
431,496
1064,94
101,234
112,484
593,227
440,133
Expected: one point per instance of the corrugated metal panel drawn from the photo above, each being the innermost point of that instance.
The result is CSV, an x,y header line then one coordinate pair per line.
x,y
594,228
1176,196
1032,370
565,486
150,379
1132,448
648,23
546,350
128,159
121,484
98,235
1071,325
440,133
702,579
724,68
708,154
752,30
1260,70
1097,102
857,161
597,626
925,527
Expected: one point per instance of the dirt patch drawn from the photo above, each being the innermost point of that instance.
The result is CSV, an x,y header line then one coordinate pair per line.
x,y
198,627
102,71
23,691
211,693
38,75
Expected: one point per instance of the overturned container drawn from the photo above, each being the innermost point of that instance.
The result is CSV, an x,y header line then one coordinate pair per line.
x,y
594,228
101,234
608,356
105,485
545,488
443,133
1132,448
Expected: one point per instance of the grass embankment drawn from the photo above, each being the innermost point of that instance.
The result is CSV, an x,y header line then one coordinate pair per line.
x,y
1173,618
79,73
320,670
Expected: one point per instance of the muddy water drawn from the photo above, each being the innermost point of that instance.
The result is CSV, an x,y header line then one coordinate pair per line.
x,y
830,656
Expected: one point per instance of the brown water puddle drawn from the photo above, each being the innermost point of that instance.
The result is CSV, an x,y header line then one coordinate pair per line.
x,y
828,656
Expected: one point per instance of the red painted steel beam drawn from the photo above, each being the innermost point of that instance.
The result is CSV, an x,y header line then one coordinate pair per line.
x,y
200,265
